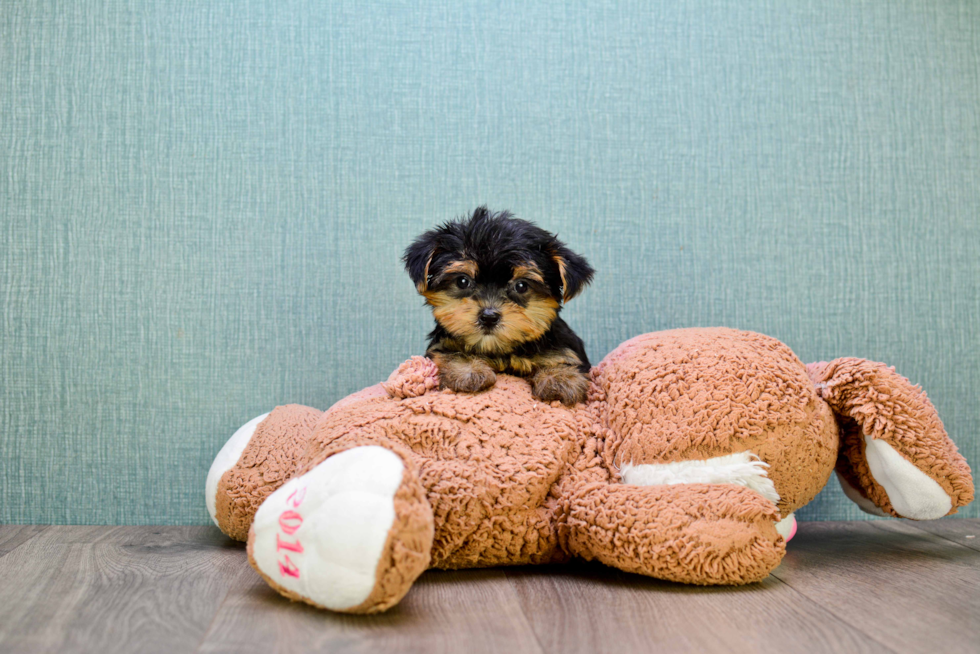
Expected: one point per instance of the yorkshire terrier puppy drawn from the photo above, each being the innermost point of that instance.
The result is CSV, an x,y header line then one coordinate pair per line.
x,y
496,285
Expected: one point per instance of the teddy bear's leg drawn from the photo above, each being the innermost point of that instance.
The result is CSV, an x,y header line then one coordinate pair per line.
x,y
895,456
352,534
255,461
691,533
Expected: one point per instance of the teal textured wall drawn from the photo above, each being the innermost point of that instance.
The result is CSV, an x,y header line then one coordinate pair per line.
x,y
203,204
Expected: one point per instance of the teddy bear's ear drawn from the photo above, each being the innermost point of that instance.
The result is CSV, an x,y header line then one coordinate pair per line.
x,y
418,258
573,270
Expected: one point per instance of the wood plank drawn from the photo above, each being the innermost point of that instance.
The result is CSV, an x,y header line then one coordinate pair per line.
x,y
115,589
592,608
965,532
857,587
908,589
13,536
470,611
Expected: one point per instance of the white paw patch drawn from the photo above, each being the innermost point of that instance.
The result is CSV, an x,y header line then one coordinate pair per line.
x,y
742,468
912,493
226,459
321,535
787,527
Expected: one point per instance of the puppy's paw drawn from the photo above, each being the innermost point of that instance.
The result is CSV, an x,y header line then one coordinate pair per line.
x,y
466,375
563,383
472,381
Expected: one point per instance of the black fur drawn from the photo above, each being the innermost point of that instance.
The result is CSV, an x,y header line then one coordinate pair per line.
x,y
498,242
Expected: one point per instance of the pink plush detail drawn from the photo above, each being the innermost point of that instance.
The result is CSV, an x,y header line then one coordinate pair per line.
x,y
413,378
296,497
792,531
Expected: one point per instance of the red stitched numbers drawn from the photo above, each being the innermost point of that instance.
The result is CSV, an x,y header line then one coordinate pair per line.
x,y
289,522
288,568
284,545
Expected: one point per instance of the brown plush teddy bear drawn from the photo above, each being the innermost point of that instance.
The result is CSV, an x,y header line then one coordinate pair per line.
x,y
694,448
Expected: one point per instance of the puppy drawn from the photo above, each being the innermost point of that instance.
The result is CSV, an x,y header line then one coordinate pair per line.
x,y
496,285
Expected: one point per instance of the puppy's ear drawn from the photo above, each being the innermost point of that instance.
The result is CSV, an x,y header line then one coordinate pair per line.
x,y
574,271
418,258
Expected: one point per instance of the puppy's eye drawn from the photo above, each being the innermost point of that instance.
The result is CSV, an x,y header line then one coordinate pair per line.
x,y
463,282
521,287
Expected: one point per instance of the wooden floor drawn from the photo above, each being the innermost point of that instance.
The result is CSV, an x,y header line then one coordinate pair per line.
x,y
885,586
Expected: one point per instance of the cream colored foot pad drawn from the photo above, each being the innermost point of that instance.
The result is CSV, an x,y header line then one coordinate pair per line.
x,y
912,493
322,535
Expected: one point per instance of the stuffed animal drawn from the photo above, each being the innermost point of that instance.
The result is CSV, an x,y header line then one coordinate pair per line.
x,y
686,463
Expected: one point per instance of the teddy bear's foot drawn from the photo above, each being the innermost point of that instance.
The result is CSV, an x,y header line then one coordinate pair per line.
x,y
910,492
787,527
895,456
350,535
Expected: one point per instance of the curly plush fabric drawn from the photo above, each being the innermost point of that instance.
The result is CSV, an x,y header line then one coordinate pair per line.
x,y
722,433
873,401
689,394
269,461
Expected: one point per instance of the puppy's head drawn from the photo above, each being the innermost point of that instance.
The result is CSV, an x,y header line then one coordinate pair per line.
x,y
494,281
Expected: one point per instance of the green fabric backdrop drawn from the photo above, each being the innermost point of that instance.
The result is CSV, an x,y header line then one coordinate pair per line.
x,y
203,204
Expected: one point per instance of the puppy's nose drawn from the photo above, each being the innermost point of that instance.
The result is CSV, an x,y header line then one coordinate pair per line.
x,y
488,317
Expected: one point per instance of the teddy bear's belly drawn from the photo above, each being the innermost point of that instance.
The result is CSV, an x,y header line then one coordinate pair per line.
x,y
495,509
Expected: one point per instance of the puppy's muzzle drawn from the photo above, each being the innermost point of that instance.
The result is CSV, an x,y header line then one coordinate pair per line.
x,y
488,318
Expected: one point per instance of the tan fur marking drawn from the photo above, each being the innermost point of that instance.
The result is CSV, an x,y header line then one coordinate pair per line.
x,y
529,270
458,316
521,324
436,298
520,365
564,356
499,342
497,363
465,266
526,365
517,324
423,285
560,261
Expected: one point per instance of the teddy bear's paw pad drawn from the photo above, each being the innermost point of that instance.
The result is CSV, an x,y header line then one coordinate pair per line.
x,y
320,537
787,527
226,460
911,492
855,496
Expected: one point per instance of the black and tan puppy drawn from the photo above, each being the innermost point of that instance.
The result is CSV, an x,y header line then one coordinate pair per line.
x,y
496,285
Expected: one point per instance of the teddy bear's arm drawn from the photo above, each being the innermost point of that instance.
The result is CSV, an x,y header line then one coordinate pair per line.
x,y
691,533
416,376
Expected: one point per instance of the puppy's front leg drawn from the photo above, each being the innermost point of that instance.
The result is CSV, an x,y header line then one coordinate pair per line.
x,y
463,373
561,382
